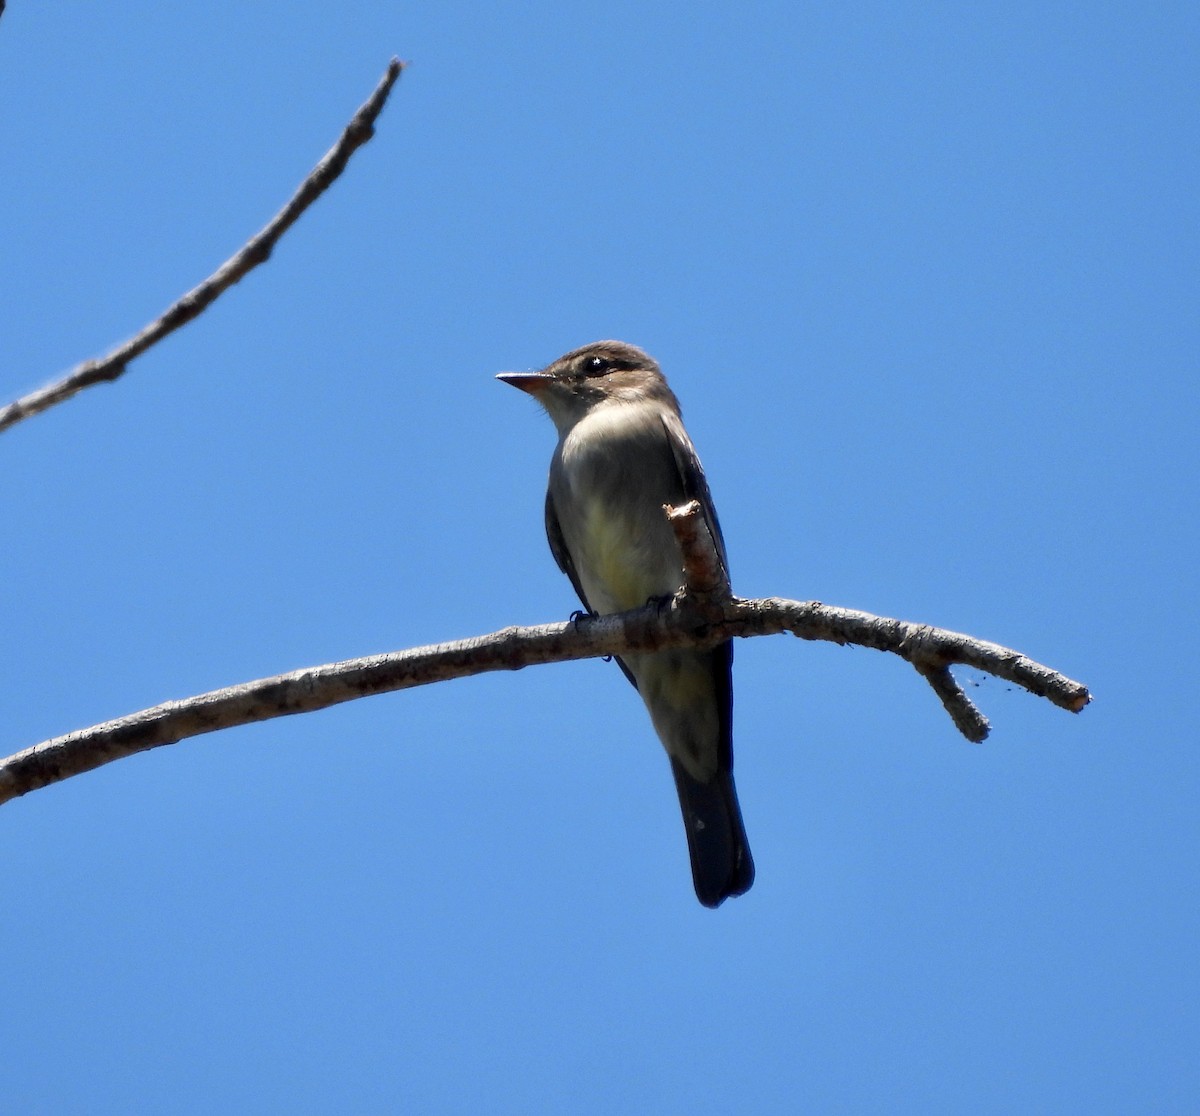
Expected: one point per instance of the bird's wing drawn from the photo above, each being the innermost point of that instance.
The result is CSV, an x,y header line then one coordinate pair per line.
x,y
695,487
691,473
558,547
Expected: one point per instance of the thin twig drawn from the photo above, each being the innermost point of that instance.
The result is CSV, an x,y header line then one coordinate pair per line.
x,y
704,573
256,250
963,711
650,628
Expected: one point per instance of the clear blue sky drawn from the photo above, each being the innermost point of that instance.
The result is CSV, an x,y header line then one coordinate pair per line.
x,y
925,279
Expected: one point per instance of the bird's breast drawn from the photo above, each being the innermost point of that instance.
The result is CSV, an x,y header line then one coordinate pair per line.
x,y
614,472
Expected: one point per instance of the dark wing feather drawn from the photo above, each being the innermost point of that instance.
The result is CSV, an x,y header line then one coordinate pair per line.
x,y
695,487
691,474
558,547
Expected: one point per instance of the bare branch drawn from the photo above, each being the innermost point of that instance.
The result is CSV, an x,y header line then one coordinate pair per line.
x,y
256,250
651,628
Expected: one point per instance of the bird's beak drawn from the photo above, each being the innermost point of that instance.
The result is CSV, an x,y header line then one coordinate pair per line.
x,y
532,382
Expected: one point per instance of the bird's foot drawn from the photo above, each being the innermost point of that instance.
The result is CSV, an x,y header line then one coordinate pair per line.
x,y
578,615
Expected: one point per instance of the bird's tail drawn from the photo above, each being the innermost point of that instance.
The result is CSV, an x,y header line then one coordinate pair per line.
x,y
721,861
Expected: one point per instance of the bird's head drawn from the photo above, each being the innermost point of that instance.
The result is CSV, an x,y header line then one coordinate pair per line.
x,y
599,373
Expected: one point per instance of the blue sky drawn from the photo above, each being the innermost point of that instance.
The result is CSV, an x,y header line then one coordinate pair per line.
x,y
925,280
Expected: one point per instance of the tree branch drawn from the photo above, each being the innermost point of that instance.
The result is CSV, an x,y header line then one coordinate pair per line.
x,y
652,628
707,585
256,250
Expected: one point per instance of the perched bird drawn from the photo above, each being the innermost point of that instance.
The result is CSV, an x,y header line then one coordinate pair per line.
x,y
622,454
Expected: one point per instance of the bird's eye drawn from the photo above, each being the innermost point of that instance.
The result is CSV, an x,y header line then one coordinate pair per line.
x,y
596,366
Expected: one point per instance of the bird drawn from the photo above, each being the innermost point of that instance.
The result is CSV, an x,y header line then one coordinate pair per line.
x,y
622,454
